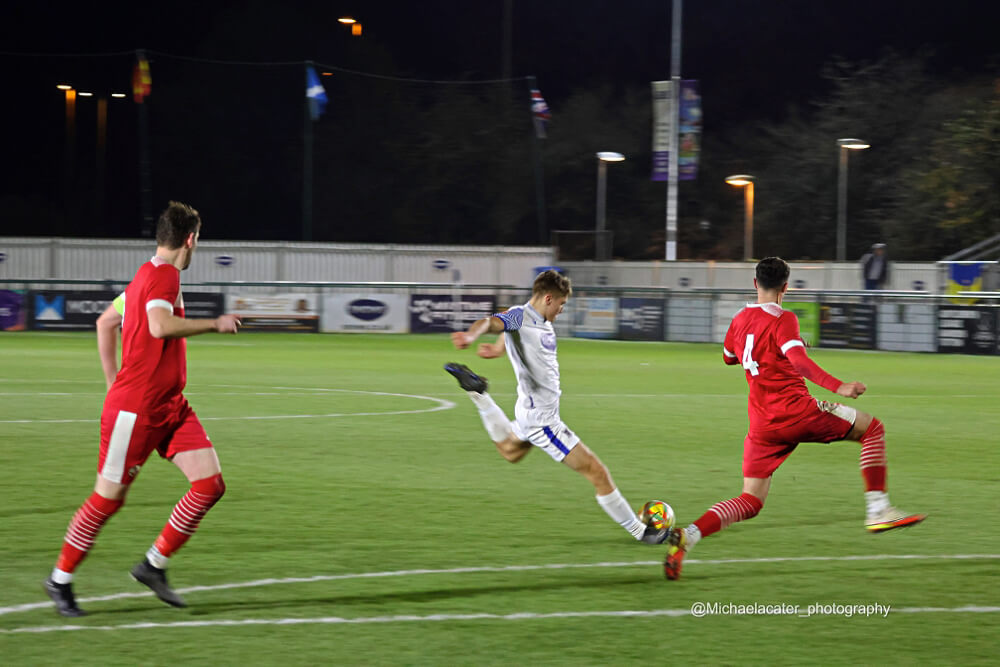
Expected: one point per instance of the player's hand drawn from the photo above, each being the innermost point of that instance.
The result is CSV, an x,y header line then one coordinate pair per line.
x,y
461,339
489,351
227,323
851,389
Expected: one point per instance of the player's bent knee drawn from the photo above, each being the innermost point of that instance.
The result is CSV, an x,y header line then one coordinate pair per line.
x,y
214,487
513,450
861,424
111,490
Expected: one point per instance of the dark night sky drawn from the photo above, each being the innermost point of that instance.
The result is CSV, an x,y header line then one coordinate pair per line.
x,y
774,46
754,58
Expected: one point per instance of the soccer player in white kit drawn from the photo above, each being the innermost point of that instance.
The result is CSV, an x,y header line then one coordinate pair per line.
x,y
530,342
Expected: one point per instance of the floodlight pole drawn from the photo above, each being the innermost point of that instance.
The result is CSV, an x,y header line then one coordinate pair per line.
x,y
675,86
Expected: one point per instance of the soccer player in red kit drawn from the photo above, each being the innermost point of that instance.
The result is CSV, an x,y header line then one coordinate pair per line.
x,y
145,410
765,340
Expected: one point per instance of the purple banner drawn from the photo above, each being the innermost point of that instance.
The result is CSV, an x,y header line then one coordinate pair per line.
x,y
11,311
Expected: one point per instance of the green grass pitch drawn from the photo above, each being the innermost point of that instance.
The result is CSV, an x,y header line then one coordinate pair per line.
x,y
381,527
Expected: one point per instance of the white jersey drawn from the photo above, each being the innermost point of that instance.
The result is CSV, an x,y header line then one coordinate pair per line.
x,y
531,347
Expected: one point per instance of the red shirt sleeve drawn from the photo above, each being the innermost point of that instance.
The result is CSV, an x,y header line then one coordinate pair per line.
x,y
729,349
790,342
164,285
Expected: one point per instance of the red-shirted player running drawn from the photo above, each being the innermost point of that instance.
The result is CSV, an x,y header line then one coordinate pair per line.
x,y
145,411
765,339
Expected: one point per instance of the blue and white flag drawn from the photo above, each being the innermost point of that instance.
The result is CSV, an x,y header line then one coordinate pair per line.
x,y
315,92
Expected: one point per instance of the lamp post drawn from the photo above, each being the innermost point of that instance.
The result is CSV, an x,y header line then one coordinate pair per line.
x,y
72,96
845,146
603,158
353,22
675,103
745,181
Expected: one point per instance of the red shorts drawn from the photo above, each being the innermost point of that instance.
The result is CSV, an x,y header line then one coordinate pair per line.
x,y
127,439
764,451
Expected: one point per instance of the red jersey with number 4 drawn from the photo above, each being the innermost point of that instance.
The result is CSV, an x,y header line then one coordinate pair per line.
x,y
154,370
758,338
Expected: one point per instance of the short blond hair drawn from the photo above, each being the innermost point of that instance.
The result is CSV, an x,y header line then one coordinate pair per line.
x,y
551,282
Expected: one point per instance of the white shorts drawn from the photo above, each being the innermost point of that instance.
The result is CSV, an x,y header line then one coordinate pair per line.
x,y
548,433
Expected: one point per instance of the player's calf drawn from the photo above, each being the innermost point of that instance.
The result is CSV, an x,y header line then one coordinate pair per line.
x,y
81,533
185,519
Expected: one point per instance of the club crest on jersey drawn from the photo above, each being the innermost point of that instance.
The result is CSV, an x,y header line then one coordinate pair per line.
x,y
549,341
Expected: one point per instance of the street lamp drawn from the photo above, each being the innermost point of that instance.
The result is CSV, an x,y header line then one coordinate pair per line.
x,y
353,22
603,158
845,146
745,181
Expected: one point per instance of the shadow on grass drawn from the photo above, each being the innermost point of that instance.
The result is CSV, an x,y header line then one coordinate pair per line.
x,y
426,596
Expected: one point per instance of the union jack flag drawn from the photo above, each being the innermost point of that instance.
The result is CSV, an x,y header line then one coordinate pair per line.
x,y
540,112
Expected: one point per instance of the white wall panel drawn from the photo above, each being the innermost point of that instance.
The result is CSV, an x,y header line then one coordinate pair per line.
x,y
25,258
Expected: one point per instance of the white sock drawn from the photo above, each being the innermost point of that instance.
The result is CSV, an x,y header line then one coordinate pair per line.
x,y
156,559
876,501
61,577
496,422
618,509
693,535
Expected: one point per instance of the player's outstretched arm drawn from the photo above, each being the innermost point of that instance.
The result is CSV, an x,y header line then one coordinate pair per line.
x,y
493,350
811,371
164,324
463,339
107,342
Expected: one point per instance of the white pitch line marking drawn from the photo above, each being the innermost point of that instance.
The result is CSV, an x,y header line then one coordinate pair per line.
x,y
442,404
482,616
499,568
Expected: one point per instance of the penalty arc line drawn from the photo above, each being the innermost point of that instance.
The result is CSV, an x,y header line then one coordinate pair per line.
x,y
481,616
442,404
499,569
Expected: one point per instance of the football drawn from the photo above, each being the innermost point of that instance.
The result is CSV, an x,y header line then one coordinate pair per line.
x,y
657,514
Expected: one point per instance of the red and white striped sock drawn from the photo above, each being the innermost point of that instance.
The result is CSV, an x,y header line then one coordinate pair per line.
x,y
82,531
873,462
724,514
184,520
